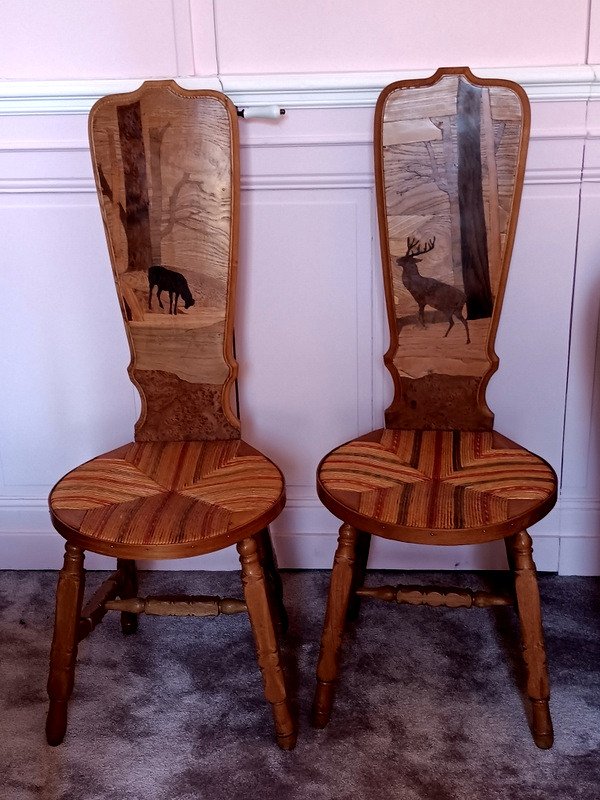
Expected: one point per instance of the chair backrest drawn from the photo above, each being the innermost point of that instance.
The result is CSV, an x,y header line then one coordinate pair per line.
x,y
166,166
449,163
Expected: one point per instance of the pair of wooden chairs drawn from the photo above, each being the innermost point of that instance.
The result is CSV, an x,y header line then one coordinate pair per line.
x,y
450,156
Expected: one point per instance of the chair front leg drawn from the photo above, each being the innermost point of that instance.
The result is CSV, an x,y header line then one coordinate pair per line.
x,y
265,639
128,588
69,597
340,586
532,632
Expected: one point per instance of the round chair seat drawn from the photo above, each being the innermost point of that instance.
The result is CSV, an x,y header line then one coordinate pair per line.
x,y
436,487
168,499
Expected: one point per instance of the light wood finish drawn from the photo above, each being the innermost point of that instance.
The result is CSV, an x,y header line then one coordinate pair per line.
x,y
451,487
168,499
449,164
178,606
166,166
532,632
69,597
265,638
340,587
434,596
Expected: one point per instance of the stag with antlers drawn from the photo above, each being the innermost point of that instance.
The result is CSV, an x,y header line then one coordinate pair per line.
x,y
429,291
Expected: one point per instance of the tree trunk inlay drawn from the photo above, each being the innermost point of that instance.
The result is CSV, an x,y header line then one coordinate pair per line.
x,y
476,271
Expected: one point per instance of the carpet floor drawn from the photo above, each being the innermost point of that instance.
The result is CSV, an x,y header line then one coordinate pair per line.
x,y
430,702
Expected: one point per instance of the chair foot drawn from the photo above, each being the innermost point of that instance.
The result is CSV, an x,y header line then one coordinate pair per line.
x,y
340,587
527,593
322,704
56,722
265,639
69,596
543,732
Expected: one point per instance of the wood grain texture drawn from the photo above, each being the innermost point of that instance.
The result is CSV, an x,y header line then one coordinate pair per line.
x,y
532,633
455,487
166,166
69,598
450,153
434,596
265,639
338,599
168,499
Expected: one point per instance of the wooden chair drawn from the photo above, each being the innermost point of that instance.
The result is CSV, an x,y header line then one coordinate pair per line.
x,y
450,156
166,167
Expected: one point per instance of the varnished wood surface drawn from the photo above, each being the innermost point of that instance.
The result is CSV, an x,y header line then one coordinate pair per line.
x,y
450,158
449,163
436,487
168,499
166,166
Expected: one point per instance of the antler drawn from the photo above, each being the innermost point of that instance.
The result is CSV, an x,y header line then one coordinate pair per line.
x,y
412,242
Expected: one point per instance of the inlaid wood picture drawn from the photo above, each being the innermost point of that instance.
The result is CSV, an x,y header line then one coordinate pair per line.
x,y
164,161
450,156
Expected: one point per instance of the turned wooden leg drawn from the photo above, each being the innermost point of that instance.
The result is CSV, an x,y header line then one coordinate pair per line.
x,y
128,587
340,586
532,632
273,578
363,545
69,596
265,639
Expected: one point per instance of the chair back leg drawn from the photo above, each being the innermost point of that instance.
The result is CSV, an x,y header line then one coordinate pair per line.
x,y
128,588
69,597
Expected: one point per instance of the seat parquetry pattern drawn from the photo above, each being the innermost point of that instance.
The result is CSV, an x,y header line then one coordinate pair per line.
x,y
436,480
156,493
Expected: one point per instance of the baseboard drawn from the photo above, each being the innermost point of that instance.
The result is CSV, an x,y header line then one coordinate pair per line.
x,y
305,537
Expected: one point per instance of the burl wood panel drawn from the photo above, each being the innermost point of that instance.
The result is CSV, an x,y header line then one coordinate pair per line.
x,y
450,154
166,167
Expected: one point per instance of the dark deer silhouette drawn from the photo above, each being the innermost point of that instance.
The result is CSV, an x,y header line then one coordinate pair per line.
x,y
429,291
167,280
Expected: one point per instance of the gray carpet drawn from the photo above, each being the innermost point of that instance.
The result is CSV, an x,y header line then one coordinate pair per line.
x,y
430,703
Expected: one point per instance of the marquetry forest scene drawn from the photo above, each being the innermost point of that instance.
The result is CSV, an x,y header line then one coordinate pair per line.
x,y
449,161
163,165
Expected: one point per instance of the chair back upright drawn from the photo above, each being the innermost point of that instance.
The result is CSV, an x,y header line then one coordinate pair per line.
x,y
166,166
449,163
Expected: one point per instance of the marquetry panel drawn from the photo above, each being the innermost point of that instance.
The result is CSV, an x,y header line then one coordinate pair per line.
x,y
165,161
450,158
417,482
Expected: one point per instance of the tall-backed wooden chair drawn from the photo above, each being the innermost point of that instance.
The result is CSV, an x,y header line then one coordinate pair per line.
x,y
166,167
450,157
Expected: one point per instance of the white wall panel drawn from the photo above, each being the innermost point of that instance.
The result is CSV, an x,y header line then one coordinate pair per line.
x,y
61,340
310,323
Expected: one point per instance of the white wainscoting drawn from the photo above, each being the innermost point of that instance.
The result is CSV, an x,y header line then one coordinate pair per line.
x,y
310,328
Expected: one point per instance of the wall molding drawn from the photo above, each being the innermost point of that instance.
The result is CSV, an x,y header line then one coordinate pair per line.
x,y
285,181
564,543
307,90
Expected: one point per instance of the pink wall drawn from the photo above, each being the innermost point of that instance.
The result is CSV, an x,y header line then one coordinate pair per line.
x,y
334,35
141,38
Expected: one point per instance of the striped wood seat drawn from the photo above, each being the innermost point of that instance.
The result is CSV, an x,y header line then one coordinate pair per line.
x,y
168,499
416,486
449,164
